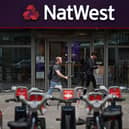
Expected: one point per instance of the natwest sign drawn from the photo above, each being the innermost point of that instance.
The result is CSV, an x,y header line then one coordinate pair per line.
x,y
66,13
74,12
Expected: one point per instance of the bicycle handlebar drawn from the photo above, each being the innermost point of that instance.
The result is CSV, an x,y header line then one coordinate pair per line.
x,y
119,99
35,104
101,90
75,89
11,100
72,100
33,89
79,88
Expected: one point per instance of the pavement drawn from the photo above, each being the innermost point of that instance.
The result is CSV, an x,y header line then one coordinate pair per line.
x,y
53,113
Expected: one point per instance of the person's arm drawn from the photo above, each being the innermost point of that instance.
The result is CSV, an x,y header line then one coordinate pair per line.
x,y
95,66
92,65
60,74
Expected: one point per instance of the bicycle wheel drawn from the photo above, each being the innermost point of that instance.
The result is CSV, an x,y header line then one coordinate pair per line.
x,y
88,127
67,121
1,125
116,124
42,123
113,124
91,127
89,123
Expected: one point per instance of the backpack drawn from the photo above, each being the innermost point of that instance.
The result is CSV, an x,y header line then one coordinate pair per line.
x,y
50,73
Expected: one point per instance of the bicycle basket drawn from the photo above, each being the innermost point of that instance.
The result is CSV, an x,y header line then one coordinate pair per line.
x,y
115,91
35,97
95,96
68,94
21,91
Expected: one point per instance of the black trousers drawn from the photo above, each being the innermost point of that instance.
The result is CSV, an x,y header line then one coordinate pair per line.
x,y
90,78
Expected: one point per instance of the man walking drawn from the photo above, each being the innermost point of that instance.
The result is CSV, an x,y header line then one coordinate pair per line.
x,y
89,67
56,75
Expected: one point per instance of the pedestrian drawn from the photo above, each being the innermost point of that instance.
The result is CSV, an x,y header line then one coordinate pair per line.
x,y
56,75
90,66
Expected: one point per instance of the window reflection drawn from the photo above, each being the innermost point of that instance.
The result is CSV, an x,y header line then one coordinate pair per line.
x,y
15,66
119,38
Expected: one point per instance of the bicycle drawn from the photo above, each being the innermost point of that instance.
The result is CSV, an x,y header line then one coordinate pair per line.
x,y
97,102
20,111
112,113
68,93
33,120
68,120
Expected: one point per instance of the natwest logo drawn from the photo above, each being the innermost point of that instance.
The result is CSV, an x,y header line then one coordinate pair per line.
x,y
31,13
74,12
70,13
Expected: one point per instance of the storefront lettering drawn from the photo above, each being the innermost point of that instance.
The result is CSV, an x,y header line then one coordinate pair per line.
x,y
76,13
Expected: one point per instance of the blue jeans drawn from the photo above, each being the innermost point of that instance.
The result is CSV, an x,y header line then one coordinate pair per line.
x,y
52,86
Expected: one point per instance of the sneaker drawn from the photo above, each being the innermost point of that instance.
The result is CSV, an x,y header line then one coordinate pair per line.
x,y
47,103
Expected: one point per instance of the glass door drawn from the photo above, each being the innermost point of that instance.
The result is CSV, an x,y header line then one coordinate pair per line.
x,y
59,48
79,51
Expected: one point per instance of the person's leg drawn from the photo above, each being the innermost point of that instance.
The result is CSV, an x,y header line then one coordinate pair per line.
x,y
52,85
87,82
58,85
94,82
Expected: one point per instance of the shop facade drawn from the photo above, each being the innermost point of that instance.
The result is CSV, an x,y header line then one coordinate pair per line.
x,y
26,55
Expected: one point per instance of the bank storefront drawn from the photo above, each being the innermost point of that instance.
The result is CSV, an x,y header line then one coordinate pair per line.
x,y
26,55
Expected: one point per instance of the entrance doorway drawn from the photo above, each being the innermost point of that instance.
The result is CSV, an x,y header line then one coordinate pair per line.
x,y
80,50
74,54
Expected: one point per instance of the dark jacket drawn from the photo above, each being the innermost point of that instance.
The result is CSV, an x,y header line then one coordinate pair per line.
x,y
89,66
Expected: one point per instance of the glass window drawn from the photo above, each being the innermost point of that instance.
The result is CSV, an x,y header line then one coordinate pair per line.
x,y
118,66
119,38
15,67
15,38
80,50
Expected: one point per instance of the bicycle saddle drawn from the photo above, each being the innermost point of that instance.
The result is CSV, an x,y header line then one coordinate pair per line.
x,y
18,124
